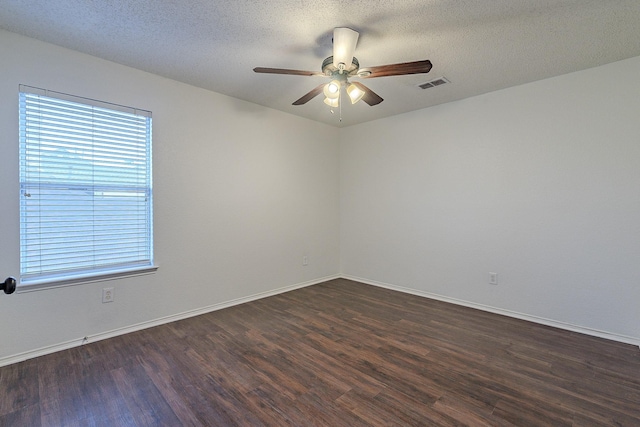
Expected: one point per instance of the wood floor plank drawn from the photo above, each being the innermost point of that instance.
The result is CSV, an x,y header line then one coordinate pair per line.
x,y
18,387
332,354
25,416
142,398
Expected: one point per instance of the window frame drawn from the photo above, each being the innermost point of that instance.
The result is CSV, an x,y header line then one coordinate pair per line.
x,y
101,271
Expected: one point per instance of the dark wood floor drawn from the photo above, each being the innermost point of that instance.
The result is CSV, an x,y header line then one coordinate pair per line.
x,y
335,354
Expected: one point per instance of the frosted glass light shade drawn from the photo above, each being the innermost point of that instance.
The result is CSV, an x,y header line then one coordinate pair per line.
x,y
344,44
355,94
335,102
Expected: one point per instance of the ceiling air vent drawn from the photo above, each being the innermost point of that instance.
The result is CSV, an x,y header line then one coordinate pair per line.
x,y
433,83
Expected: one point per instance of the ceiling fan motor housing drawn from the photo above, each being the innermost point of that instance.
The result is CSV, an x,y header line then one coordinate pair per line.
x,y
329,69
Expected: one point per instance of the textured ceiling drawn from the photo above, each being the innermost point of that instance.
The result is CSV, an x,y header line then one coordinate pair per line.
x,y
478,45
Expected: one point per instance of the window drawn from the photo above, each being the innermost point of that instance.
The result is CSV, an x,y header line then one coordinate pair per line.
x,y
85,188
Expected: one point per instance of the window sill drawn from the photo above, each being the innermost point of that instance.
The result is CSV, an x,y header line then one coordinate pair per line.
x,y
57,282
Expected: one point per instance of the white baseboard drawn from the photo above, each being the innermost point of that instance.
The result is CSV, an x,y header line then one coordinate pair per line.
x,y
535,319
156,322
191,313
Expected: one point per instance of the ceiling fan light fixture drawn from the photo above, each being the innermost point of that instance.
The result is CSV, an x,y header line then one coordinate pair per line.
x,y
342,65
354,92
332,102
332,89
344,44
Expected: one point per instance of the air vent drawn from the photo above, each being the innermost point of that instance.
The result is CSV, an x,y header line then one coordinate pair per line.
x,y
433,83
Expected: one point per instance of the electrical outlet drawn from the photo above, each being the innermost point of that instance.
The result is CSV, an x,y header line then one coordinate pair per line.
x,y
107,294
493,278
305,260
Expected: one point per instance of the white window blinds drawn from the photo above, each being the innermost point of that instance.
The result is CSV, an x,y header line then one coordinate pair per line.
x,y
85,187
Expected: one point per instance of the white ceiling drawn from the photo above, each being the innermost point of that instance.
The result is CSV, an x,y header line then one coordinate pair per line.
x,y
479,45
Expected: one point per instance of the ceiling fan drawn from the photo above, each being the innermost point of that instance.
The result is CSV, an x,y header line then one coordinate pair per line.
x,y
342,66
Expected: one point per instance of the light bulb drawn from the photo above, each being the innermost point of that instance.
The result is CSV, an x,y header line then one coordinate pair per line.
x,y
332,89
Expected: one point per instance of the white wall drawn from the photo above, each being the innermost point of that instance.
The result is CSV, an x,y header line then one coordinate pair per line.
x,y
539,183
242,192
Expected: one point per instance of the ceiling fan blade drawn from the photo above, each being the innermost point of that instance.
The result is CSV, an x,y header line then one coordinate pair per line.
x,y
344,44
310,95
286,71
416,67
370,97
